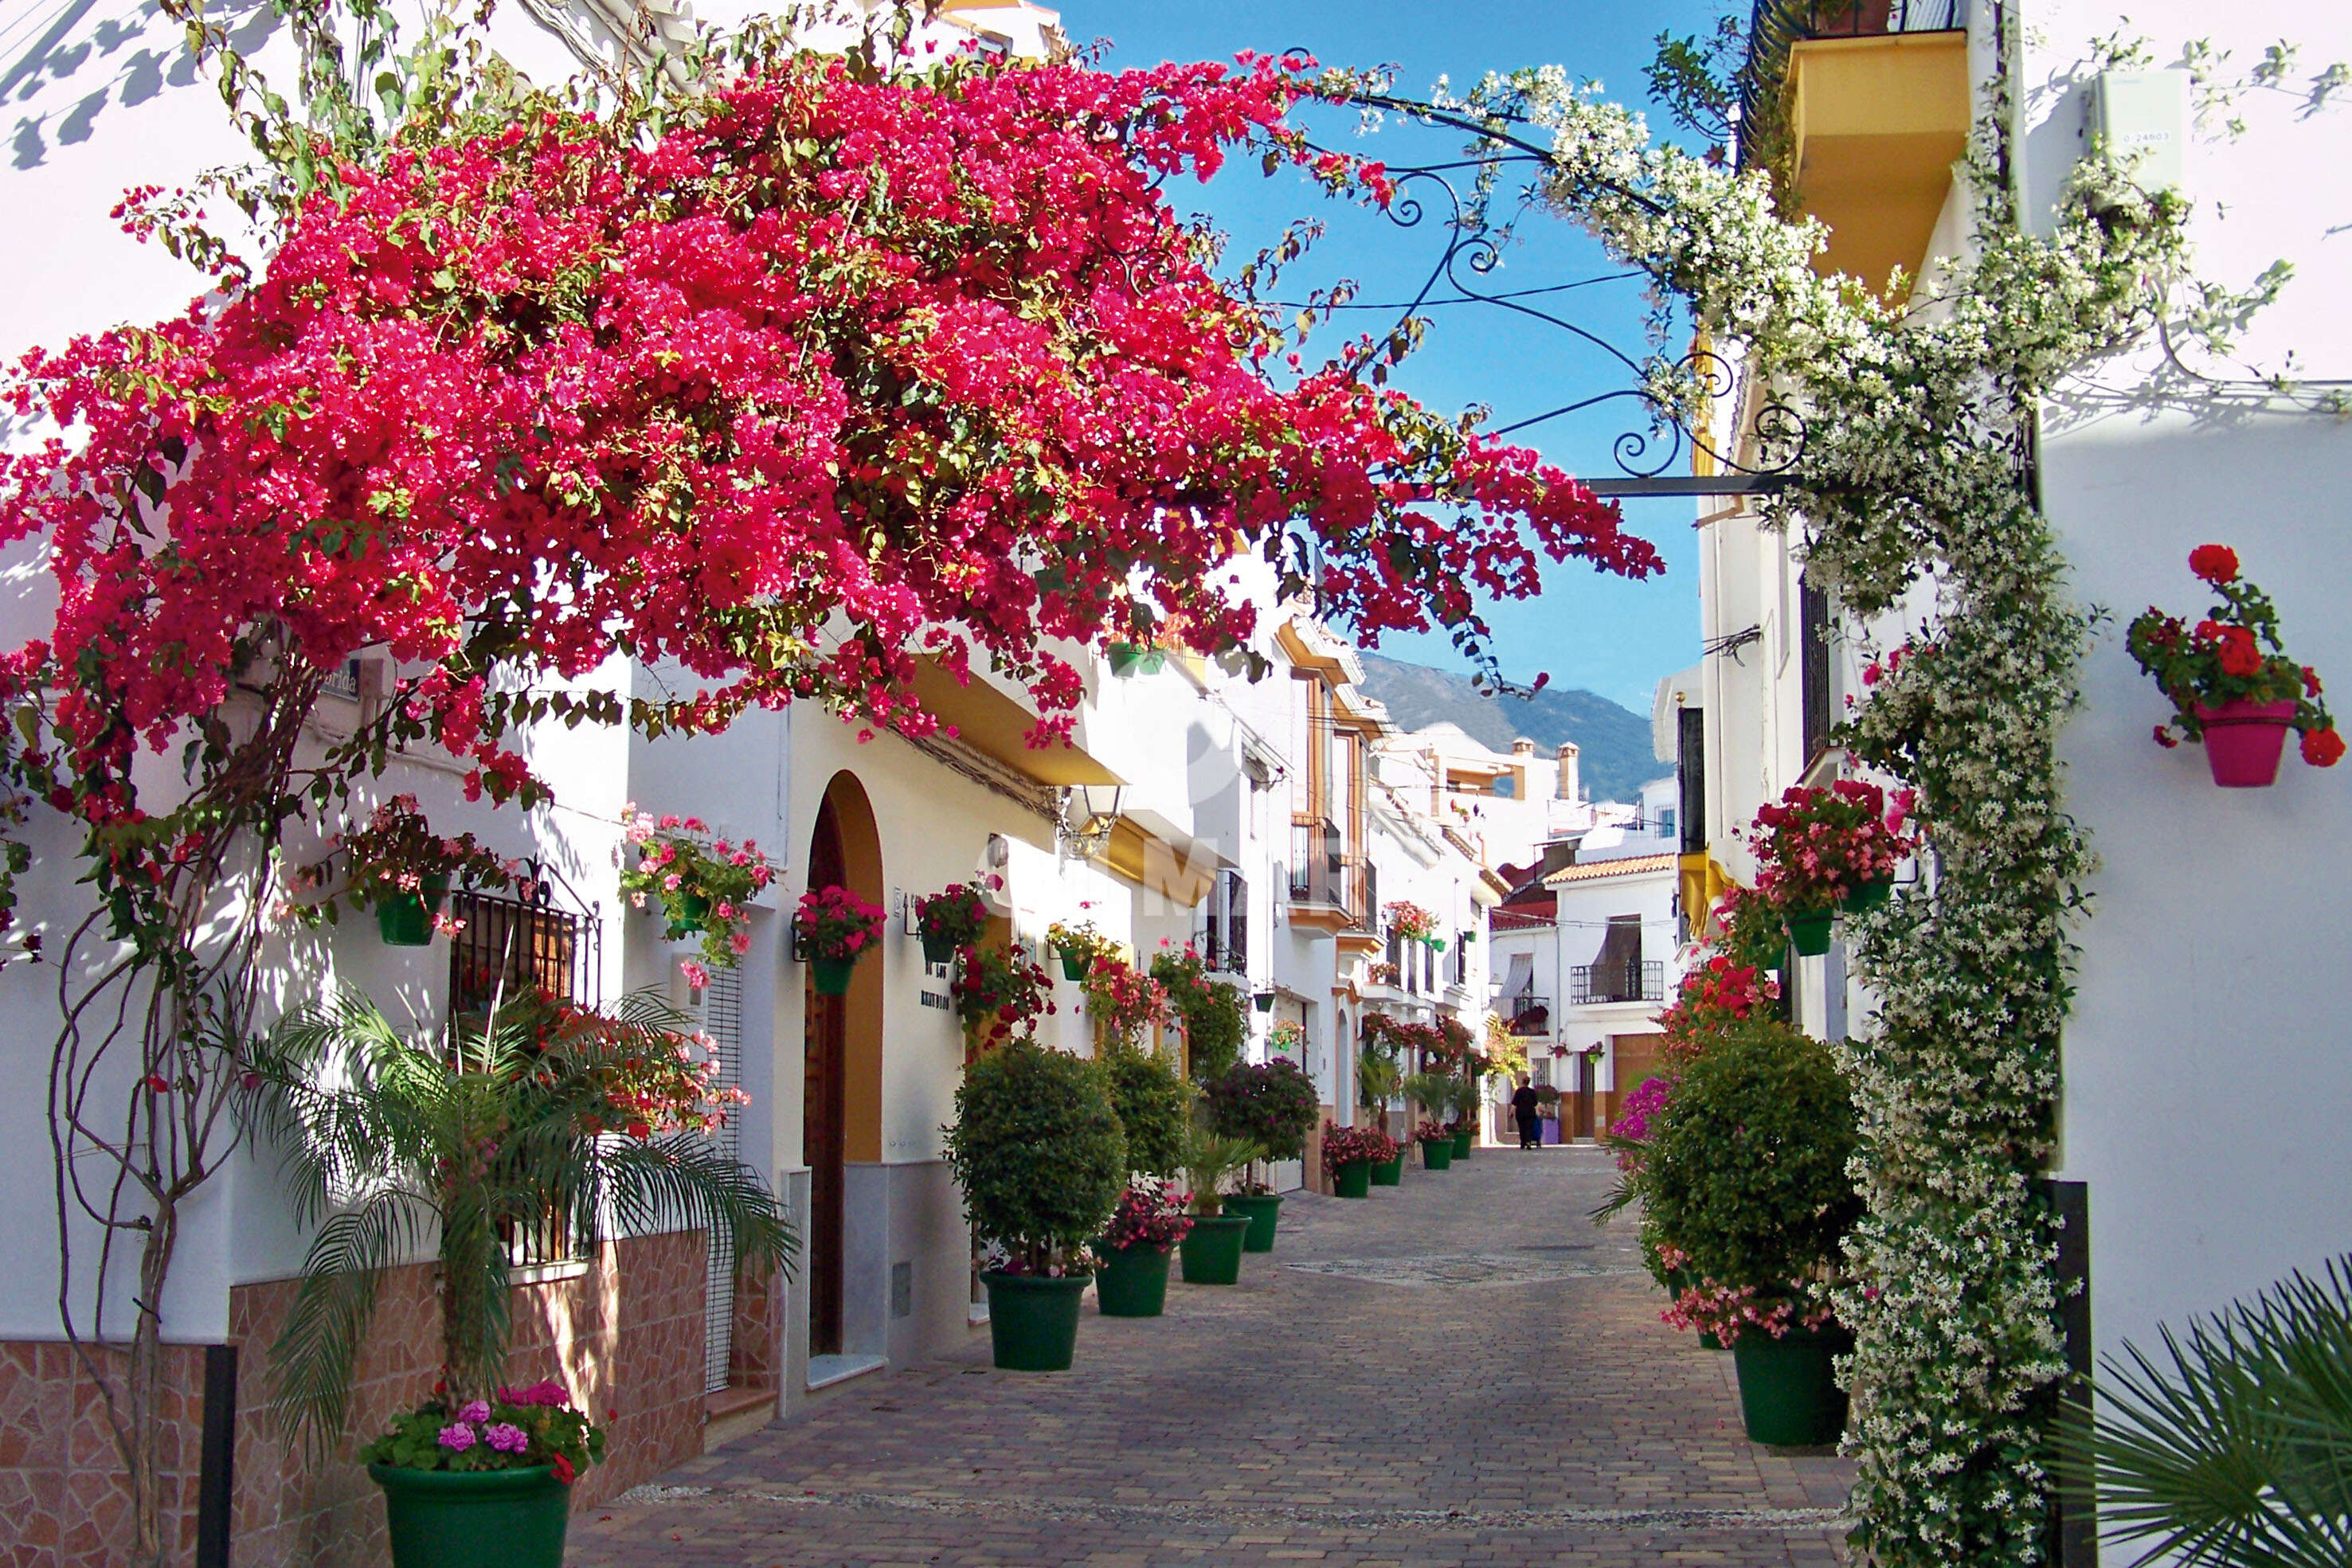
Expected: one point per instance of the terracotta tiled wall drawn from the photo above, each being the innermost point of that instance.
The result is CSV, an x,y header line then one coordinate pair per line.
x,y
63,1500
625,1336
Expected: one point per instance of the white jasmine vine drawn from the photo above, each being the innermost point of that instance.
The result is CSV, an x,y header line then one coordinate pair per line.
x,y
1914,476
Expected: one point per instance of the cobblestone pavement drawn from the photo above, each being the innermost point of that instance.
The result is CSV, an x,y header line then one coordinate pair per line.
x,y
1462,1370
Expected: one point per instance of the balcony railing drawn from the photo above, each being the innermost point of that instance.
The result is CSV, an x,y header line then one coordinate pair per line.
x,y
1527,1014
1632,982
1321,871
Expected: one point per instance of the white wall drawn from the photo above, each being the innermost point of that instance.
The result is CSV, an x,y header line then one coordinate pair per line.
x,y
2207,1083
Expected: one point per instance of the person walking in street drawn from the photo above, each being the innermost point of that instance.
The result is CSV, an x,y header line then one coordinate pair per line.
x,y
1523,1105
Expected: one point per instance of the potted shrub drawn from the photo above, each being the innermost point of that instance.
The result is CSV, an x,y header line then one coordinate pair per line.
x,y
1436,1141
1038,1150
702,884
1271,1105
1212,1252
1745,1169
998,991
834,929
383,1140
2230,680
1132,1279
1350,1153
1827,849
1079,947
1215,1017
1378,1079
1155,1109
401,867
950,920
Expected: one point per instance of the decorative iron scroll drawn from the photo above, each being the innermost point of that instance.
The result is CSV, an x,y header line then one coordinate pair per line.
x,y
1461,274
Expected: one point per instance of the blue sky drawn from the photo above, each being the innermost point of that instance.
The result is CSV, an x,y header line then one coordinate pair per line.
x,y
1604,633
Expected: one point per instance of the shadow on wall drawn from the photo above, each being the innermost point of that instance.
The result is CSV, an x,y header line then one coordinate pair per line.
x,y
65,65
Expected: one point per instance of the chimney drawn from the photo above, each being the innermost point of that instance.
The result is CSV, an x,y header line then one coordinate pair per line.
x,y
1567,769
1523,746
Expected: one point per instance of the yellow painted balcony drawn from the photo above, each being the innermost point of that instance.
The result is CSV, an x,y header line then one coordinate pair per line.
x,y
1876,123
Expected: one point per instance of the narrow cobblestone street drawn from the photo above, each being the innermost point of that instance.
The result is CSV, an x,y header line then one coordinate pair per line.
x,y
1462,1370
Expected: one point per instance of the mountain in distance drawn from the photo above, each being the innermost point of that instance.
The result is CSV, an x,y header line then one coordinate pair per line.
x,y
1613,743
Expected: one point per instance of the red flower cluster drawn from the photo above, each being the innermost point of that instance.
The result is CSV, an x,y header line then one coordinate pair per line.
x,y
1148,1216
834,923
998,990
815,378
1355,1147
1819,846
2233,654
1714,996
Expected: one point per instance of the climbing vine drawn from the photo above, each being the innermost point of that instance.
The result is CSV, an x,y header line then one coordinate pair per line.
x,y
1913,499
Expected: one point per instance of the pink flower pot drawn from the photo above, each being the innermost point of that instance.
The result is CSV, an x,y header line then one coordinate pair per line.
x,y
2244,741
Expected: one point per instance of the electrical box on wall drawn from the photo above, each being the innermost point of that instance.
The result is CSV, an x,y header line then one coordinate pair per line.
x,y
2142,117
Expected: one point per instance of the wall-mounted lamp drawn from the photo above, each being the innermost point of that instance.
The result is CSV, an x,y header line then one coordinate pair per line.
x,y
1089,812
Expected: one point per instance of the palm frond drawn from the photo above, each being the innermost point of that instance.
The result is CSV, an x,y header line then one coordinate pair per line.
x,y
2237,1451
686,1181
317,1352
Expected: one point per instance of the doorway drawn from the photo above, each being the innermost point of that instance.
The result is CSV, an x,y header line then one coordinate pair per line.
x,y
823,1106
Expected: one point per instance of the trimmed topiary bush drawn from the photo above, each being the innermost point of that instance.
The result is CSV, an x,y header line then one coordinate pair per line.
x,y
1745,1168
1039,1151
1274,1106
1154,1105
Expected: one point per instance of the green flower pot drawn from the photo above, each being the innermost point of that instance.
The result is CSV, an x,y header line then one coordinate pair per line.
x,y
1389,1173
1353,1180
1869,895
405,919
1074,966
1213,1250
693,912
1436,1154
1709,1340
1789,1396
1128,659
473,1518
938,947
1263,1002
1131,1283
832,975
1461,1145
1809,933
1032,1321
1263,1210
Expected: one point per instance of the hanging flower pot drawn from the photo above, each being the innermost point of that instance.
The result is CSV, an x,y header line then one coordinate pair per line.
x,y
1263,1002
405,919
953,919
1436,944
2230,680
938,947
1133,659
2245,740
693,914
1074,964
1868,896
1810,933
833,928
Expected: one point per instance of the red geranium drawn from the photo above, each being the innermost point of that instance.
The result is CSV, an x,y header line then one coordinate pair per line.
x,y
1820,846
2216,564
2231,654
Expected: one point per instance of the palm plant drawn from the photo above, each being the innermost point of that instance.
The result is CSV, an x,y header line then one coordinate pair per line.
x,y
539,1119
2239,1454
1210,1162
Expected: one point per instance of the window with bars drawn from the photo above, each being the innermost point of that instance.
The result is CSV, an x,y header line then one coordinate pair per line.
x,y
1227,942
1813,666
506,948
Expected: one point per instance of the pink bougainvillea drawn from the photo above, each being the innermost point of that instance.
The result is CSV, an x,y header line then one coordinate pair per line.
x,y
804,382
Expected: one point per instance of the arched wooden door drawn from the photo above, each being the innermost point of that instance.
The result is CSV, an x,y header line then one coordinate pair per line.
x,y
841,1085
